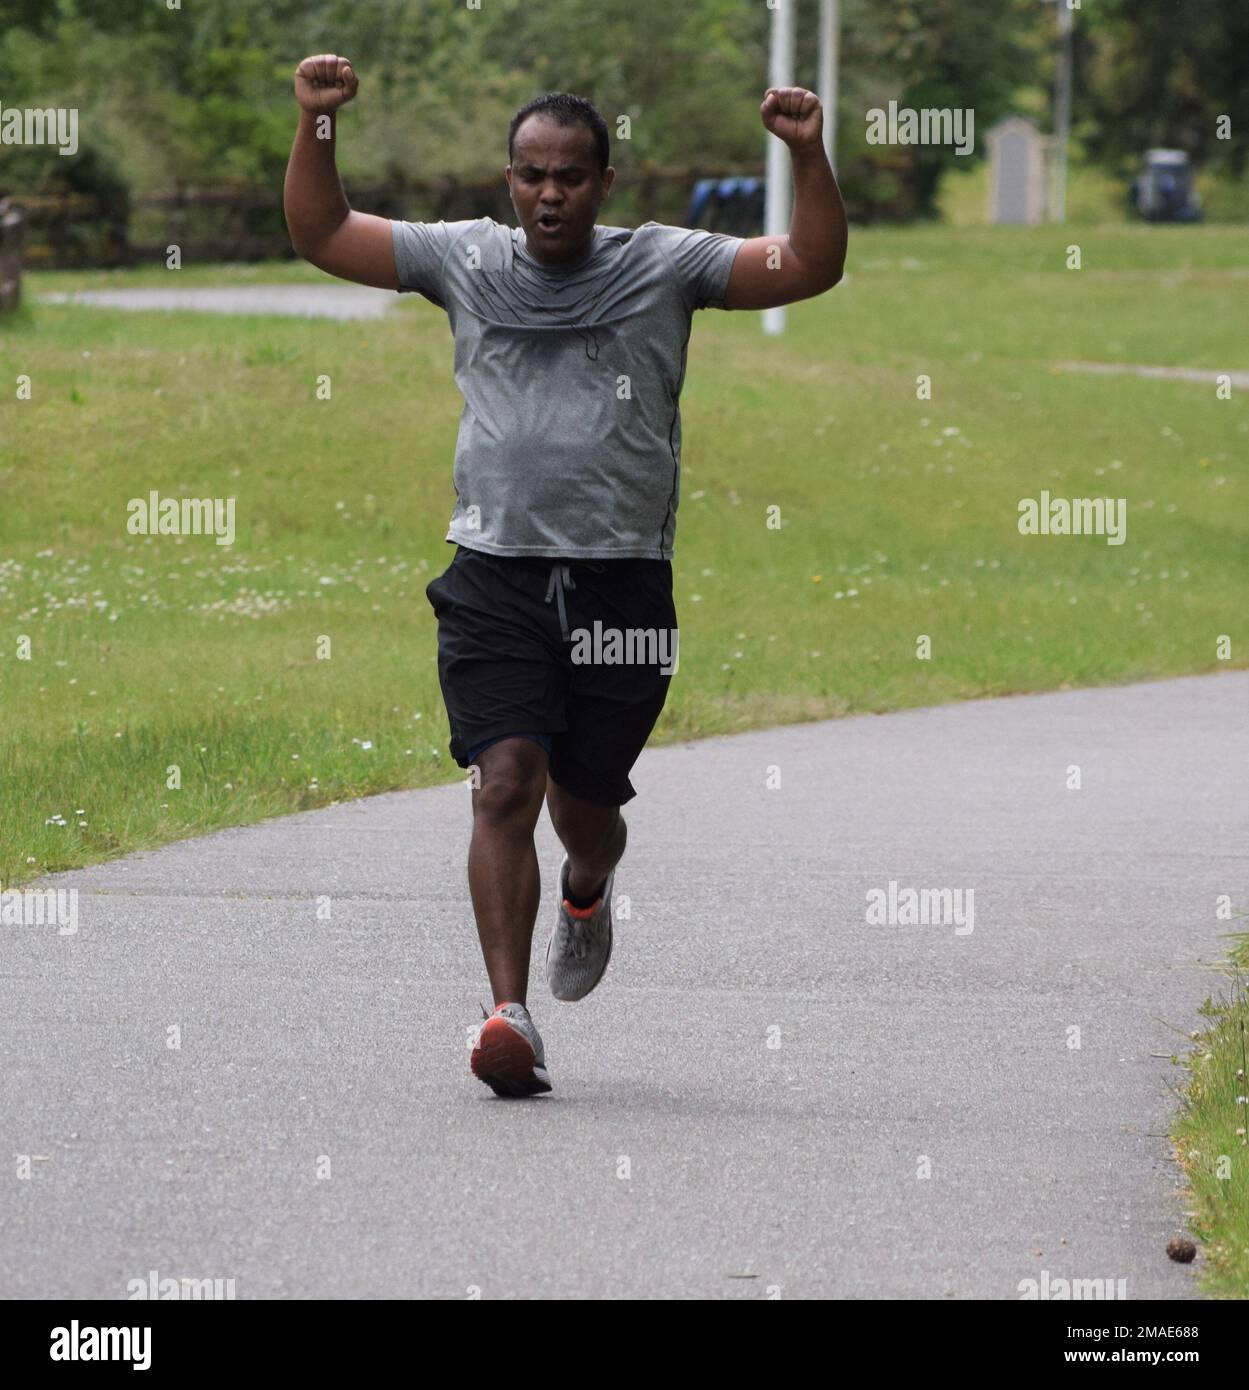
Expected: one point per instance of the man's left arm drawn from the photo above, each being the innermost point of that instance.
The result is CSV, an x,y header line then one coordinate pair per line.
x,y
769,271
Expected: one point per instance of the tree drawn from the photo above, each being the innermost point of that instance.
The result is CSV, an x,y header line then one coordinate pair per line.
x,y
1162,73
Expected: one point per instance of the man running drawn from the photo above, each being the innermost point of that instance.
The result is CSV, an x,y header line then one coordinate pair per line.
x,y
556,626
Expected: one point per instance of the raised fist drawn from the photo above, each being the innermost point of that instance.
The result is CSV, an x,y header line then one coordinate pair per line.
x,y
794,115
324,83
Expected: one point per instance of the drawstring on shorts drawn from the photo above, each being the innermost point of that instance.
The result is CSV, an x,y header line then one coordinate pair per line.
x,y
561,580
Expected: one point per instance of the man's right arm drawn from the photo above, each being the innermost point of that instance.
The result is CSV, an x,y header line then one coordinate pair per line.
x,y
323,228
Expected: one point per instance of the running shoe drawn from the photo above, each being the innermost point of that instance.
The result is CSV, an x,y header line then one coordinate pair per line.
x,y
507,1053
580,945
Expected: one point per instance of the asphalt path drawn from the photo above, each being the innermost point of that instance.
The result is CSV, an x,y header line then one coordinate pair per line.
x,y
295,301
770,1095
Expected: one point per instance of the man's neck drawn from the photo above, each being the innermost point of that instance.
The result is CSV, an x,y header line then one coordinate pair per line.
x,y
571,259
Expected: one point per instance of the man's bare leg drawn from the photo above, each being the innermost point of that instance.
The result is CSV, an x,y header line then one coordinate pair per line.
x,y
502,863
594,837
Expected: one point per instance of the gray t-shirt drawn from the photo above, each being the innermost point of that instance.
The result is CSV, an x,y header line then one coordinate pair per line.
x,y
570,440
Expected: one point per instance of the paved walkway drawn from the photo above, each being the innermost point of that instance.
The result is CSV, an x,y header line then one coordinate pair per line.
x,y
298,301
318,1133
1208,375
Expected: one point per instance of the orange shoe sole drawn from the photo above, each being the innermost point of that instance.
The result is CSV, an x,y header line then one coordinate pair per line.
x,y
505,1061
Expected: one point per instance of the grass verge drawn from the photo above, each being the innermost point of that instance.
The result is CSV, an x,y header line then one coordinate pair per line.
x,y
1210,1133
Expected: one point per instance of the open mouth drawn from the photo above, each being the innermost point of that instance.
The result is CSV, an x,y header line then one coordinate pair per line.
x,y
549,222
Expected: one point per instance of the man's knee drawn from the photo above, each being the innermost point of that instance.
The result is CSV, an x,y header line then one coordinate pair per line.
x,y
513,780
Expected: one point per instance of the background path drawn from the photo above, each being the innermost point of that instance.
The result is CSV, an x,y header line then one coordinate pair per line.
x,y
679,1154
297,301
1237,379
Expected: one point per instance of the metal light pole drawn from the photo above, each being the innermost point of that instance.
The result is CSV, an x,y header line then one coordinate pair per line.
x,y
779,199
1062,110
778,182
830,25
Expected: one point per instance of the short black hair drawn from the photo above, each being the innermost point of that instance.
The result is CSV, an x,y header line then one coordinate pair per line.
x,y
565,109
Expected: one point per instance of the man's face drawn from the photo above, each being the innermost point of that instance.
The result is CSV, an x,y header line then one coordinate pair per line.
x,y
556,187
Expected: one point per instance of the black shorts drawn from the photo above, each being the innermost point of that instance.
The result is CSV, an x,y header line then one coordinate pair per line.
x,y
525,647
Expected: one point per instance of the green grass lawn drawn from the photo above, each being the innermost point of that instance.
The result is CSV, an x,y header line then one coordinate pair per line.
x,y
1210,1132
899,520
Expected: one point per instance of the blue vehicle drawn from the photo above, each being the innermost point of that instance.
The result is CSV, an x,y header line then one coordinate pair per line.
x,y
733,206
1163,191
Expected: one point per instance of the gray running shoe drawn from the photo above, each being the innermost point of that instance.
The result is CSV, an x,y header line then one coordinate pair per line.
x,y
507,1053
580,946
